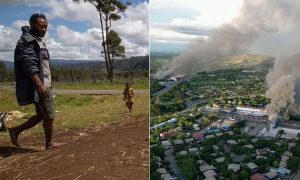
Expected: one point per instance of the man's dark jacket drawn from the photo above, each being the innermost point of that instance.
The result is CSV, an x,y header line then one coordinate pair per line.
x,y
27,61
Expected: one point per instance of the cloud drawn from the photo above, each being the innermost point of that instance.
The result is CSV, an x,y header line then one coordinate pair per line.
x,y
68,10
70,37
19,23
66,43
16,2
182,19
132,28
9,38
168,36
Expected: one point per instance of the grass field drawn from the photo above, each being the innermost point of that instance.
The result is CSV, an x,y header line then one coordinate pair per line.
x,y
79,111
117,84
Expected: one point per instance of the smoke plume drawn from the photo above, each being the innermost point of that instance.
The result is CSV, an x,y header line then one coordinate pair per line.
x,y
284,85
256,18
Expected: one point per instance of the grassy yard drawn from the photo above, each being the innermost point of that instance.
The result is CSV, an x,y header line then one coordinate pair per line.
x,y
79,111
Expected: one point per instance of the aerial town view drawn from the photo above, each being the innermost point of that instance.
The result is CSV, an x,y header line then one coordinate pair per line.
x,y
227,105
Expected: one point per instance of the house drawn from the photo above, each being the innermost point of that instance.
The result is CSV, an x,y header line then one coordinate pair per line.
x,y
216,148
220,159
206,167
230,132
291,144
189,140
219,134
258,176
198,136
210,178
178,142
166,144
283,162
184,152
263,151
262,157
209,136
231,142
165,135
250,146
162,171
166,177
214,154
288,153
201,162
271,175
234,167
236,158
193,150
281,171
252,166
209,173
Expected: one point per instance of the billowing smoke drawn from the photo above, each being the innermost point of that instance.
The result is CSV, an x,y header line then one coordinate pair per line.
x,y
256,18
284,83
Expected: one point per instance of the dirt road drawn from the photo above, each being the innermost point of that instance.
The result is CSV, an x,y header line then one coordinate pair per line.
x,y
114,151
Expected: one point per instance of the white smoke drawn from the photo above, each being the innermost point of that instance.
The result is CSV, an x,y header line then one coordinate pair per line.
x,y
284,85
256,18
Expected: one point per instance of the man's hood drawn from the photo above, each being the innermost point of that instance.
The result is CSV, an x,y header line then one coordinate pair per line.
x,y
26,34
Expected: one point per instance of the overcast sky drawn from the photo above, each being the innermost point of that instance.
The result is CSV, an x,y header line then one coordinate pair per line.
x,y
74,29
174,23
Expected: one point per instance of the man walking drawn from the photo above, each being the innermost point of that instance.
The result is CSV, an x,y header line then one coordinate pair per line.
x,y
33,79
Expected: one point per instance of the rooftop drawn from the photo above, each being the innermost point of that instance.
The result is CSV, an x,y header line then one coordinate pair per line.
x,y
258,176
234,167
210,173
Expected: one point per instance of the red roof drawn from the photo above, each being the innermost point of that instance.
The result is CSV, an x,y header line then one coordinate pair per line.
x,y
198,135
258,176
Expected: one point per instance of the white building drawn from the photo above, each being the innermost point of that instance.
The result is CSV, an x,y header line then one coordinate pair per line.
x,y
166,144
251,111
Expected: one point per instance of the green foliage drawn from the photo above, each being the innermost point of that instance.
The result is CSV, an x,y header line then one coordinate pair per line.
x,y
157,151
114,44
155,176
239,124
275,164
109,11
237,131
296,150
153,164
187,164
234,177
243,175
293,164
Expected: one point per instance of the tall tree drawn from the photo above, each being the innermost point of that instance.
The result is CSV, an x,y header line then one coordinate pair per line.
x,y
109,11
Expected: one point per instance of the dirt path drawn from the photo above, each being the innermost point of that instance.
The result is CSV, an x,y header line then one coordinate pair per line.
x,y
115,151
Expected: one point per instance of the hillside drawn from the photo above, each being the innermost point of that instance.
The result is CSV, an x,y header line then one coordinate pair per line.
x,y
248,60
133,63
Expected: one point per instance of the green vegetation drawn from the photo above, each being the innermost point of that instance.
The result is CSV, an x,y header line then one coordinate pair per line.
x,y
80,111
117,84
187,163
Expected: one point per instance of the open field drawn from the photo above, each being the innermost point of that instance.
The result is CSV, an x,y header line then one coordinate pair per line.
x,y
103,139
140,83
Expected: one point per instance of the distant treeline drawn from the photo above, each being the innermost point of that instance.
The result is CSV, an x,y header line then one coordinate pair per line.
x,y
86,71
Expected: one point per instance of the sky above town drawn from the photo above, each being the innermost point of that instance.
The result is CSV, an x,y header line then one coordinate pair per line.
x,y
73,28
175,23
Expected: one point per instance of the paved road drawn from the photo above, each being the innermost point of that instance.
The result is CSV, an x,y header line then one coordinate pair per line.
x,y
169,156
95,92
168,88
192,104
